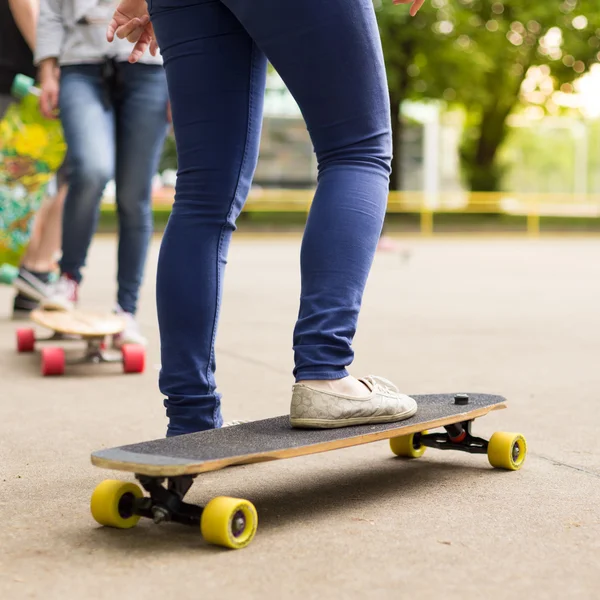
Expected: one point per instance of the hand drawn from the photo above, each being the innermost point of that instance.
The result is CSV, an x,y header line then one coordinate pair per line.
x,y
132,21
416,5
50,88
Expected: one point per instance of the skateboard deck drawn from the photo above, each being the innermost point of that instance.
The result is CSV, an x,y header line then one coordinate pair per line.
x,y
180,459
83,324
93,328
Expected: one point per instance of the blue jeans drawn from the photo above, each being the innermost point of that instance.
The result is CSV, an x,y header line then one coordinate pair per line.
x,y
215,52
114,126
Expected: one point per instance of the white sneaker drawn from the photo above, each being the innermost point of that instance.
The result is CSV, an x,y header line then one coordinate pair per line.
x,y
30,286
61,295
131,334
313,408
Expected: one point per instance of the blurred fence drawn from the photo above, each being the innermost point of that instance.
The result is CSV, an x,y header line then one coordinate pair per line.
x,y
525,212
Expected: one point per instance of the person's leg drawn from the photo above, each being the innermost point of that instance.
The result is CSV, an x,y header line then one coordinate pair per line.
x,y
330,57
216,77
88,124
42,257
141,100
38,263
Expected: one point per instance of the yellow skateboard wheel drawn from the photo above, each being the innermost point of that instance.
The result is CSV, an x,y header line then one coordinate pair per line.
x,y
229,522
507,450
112,503
405,446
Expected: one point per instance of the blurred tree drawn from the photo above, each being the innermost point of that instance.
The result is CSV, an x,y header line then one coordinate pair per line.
x,y
414,49
477,54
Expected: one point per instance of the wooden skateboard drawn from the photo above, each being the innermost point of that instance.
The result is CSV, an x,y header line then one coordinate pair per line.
x,y
166,468
93,328
32,148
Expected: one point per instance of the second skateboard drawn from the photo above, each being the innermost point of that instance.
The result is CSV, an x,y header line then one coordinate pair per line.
x,y
92,328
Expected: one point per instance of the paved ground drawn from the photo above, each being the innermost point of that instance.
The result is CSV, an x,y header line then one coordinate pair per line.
x,y
513,317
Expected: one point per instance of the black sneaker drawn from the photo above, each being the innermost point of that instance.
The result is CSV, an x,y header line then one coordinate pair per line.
x,y
31,284
22,307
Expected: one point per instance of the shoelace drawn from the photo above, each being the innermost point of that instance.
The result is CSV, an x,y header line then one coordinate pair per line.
x,y
382,384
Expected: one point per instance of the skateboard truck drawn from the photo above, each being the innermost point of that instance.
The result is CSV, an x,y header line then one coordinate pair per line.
x,y
458,436
166,503
54,359
224,521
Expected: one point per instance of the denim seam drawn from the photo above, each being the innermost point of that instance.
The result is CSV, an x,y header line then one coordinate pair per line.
x,y
235,195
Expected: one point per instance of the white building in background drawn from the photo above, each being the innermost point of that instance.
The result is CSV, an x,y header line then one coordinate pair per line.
x,y
431,142
430,145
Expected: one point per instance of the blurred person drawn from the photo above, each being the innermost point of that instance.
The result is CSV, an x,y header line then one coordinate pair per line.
x,y
18,21
114,116
330,57
39,261
386,243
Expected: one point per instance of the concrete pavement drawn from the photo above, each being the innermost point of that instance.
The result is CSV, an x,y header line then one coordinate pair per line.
x,y
514,317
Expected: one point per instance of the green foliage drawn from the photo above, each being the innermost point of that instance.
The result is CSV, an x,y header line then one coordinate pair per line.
x,y
168,159
477,53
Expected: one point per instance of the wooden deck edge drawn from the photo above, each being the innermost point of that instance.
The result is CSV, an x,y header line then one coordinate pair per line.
x,y
191,468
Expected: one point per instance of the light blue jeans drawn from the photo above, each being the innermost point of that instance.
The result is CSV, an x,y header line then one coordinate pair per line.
x,y
215,52
115,123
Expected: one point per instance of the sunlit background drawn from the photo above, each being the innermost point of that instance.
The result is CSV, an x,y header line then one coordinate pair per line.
x,y
501,98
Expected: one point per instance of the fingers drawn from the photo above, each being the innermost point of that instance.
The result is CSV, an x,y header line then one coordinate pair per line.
x,y
132,30
153,43
48,103
416,5
124,27
137,30
110,30
414,9
140,47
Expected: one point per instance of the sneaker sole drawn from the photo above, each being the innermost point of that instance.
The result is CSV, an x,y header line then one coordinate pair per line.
x,y
335,423
28,290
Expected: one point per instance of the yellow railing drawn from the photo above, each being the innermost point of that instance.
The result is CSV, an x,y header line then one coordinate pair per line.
x,y
531,206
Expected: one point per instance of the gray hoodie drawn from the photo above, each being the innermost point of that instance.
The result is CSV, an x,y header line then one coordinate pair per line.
x,y
74,32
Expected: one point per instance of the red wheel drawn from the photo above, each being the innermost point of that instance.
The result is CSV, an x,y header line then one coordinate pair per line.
x,y
25,340
134,358
53,361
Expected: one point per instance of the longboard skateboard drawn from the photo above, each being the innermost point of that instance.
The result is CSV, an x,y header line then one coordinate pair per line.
x,y
93,328
32,148
166,467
